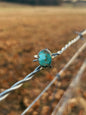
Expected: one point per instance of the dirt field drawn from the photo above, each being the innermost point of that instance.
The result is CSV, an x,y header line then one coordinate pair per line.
x,y
24,31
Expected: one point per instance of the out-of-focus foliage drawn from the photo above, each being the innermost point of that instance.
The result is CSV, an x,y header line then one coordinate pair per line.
x,y
37,2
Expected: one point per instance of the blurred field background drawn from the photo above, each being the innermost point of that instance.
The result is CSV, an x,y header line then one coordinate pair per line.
x,y
24,31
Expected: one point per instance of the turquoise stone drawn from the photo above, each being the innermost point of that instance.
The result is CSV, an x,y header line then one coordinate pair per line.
x,y
44,58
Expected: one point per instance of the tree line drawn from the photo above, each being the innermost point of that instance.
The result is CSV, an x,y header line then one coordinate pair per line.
x,y
37,2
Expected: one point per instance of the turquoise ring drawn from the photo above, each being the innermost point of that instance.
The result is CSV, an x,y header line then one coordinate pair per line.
x,y
45,58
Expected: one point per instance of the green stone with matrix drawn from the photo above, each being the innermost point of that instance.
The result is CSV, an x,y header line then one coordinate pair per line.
x,y
45,58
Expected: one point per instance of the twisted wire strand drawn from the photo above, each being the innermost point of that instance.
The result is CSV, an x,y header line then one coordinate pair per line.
x,y
19,83
5,93
80,36
59,109
56,77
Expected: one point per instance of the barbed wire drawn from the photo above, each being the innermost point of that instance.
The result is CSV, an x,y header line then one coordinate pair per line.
x,y
69,92
56,77
80,35
5,93
19,83
53,97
